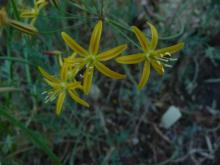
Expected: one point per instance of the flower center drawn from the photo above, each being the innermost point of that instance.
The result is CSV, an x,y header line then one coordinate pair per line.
x,y
165,59
63,85
91,60
149,55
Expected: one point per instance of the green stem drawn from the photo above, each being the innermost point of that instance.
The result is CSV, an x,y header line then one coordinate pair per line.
x,y
116,26
80,7
14,6
27,68
9,63
126,27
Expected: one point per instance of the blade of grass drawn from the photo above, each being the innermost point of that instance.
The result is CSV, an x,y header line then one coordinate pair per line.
x,y
27,67
9,63
14,6
80,7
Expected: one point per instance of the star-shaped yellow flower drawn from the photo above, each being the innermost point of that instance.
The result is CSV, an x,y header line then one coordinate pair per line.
x,y
92,58
61,87
150,55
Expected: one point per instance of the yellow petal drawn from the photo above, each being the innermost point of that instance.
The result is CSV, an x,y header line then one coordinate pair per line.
x,y
141,38
23,27
63,71
40,4
158,67
108,72
73,44
70,69
33,21
131,59
112,53
87,81
53,84
75,65
95,38
74,85
77,68
60,59
48,76
74,60
28,14
59,103
77,99
171,49
154,36
145,75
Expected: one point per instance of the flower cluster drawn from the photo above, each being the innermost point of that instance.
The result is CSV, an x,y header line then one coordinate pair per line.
x,y
81,59
87,61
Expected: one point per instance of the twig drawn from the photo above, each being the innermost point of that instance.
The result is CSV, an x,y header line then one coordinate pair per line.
x,y
160,133
143,115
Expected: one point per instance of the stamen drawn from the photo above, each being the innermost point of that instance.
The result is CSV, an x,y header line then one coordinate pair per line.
x,y
162,59
51,95
167,65
44,92
173,59
168,54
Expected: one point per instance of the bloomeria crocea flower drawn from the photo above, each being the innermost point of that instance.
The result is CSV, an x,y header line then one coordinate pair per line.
x,y
157,58
92,59
61,87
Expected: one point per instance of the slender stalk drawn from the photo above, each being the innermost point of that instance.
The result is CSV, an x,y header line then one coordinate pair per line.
x,y
27,68
9,63
14,6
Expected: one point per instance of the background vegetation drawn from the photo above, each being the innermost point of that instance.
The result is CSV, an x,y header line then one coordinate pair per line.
x,y
123,125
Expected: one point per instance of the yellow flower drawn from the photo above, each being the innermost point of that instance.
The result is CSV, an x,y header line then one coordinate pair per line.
x,y
61,87
71,65
158,58
92,58
6,21
34,12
